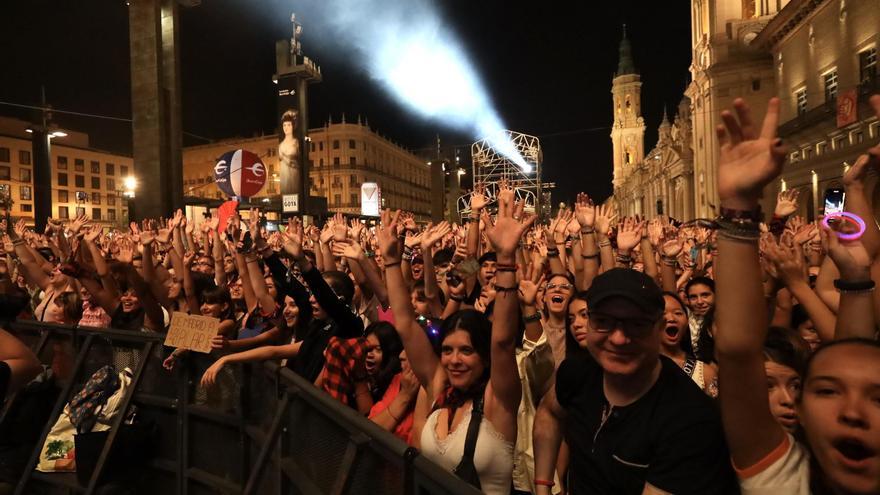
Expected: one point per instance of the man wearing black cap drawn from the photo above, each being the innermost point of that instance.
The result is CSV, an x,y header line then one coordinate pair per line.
x,y
634,422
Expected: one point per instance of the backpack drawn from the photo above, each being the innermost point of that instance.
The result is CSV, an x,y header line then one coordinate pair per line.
x,y
85,406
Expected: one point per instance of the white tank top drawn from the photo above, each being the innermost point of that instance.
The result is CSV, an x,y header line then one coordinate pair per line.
x,y
493,455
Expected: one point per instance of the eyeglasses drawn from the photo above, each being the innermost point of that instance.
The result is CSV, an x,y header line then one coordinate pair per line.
x,y
560,286
635,327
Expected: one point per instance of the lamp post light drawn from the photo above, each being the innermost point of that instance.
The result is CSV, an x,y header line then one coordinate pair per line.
x,y
129,186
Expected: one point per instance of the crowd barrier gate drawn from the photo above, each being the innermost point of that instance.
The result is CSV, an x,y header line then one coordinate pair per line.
x,y
266,430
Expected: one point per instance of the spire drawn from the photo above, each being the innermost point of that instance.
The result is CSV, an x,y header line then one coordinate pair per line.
x,y
625,64
665,121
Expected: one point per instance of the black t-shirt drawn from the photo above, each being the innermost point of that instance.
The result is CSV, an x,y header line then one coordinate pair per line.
x,y
671,437
5,376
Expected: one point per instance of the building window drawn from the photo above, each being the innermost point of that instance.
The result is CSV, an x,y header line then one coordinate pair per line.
x,y
110,169
354,200
335,144
312,147
62,179
4,155
63,212
63,197
352,161
96,198
24,157
352,180
80,211
111,184
756,86
62,163
111,214
79,165
123,170
830,85
79,180
856,137
24,174
838,142
5,173
96,183
337,199
320,145
822,148
27,208
351,144
868,65
321,162
80,196
96,167
24,193
96,213
111,200
808,153
335,160
800,97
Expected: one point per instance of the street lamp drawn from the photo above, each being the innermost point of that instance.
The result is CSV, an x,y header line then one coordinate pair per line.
x,y
129,184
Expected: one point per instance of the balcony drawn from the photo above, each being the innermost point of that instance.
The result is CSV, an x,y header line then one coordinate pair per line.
x,y
825,115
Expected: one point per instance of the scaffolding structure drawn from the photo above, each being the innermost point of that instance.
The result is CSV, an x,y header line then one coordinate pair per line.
x,y
490,168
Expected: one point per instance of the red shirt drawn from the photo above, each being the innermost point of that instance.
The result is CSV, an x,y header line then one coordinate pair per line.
x,y
403,430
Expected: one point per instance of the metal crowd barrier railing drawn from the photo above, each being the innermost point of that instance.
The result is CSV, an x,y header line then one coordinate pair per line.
x,y
263,429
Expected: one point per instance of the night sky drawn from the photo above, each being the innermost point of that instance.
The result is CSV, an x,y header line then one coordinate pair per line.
x,y
548,69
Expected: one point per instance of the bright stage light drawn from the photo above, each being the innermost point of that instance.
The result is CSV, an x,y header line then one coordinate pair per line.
x,y
406,46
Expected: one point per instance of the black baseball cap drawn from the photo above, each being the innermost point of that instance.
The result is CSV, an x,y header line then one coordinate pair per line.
x,y
629,284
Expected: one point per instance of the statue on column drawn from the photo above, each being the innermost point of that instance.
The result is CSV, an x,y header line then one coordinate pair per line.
x,y
288,152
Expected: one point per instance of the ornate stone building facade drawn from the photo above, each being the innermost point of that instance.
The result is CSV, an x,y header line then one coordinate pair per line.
x,y
825,63
342,156
661,180
725,65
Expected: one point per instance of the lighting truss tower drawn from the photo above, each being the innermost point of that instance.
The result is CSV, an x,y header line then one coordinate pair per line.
x,y
490,167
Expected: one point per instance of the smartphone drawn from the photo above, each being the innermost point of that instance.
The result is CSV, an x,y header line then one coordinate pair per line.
x,y
834,199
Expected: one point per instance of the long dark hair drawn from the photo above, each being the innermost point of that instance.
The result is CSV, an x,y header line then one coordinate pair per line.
x,y
219,295
685,341
478,328
391,345
572,348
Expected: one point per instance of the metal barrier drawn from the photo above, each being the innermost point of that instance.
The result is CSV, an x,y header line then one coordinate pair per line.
x,y
263,430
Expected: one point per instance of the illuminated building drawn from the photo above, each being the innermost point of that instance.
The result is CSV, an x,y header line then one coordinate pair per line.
x,y
84,179
661,180
825,64
342,156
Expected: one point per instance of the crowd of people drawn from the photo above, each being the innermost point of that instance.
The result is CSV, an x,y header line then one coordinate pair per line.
x,y
595,354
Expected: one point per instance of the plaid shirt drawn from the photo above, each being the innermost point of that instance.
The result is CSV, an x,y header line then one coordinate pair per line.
x,y
344,361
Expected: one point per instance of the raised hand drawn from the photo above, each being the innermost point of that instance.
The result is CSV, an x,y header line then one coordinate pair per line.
x,y
749,159
386,234
787,260
125,254
850,257
672,248
585,211
605,217
479,200
147,237
188,259
629,234
326,233
293,239
529,285
655,232
348,249
786,203
92,234
507,231
340,231
356,229
433,235
79,222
